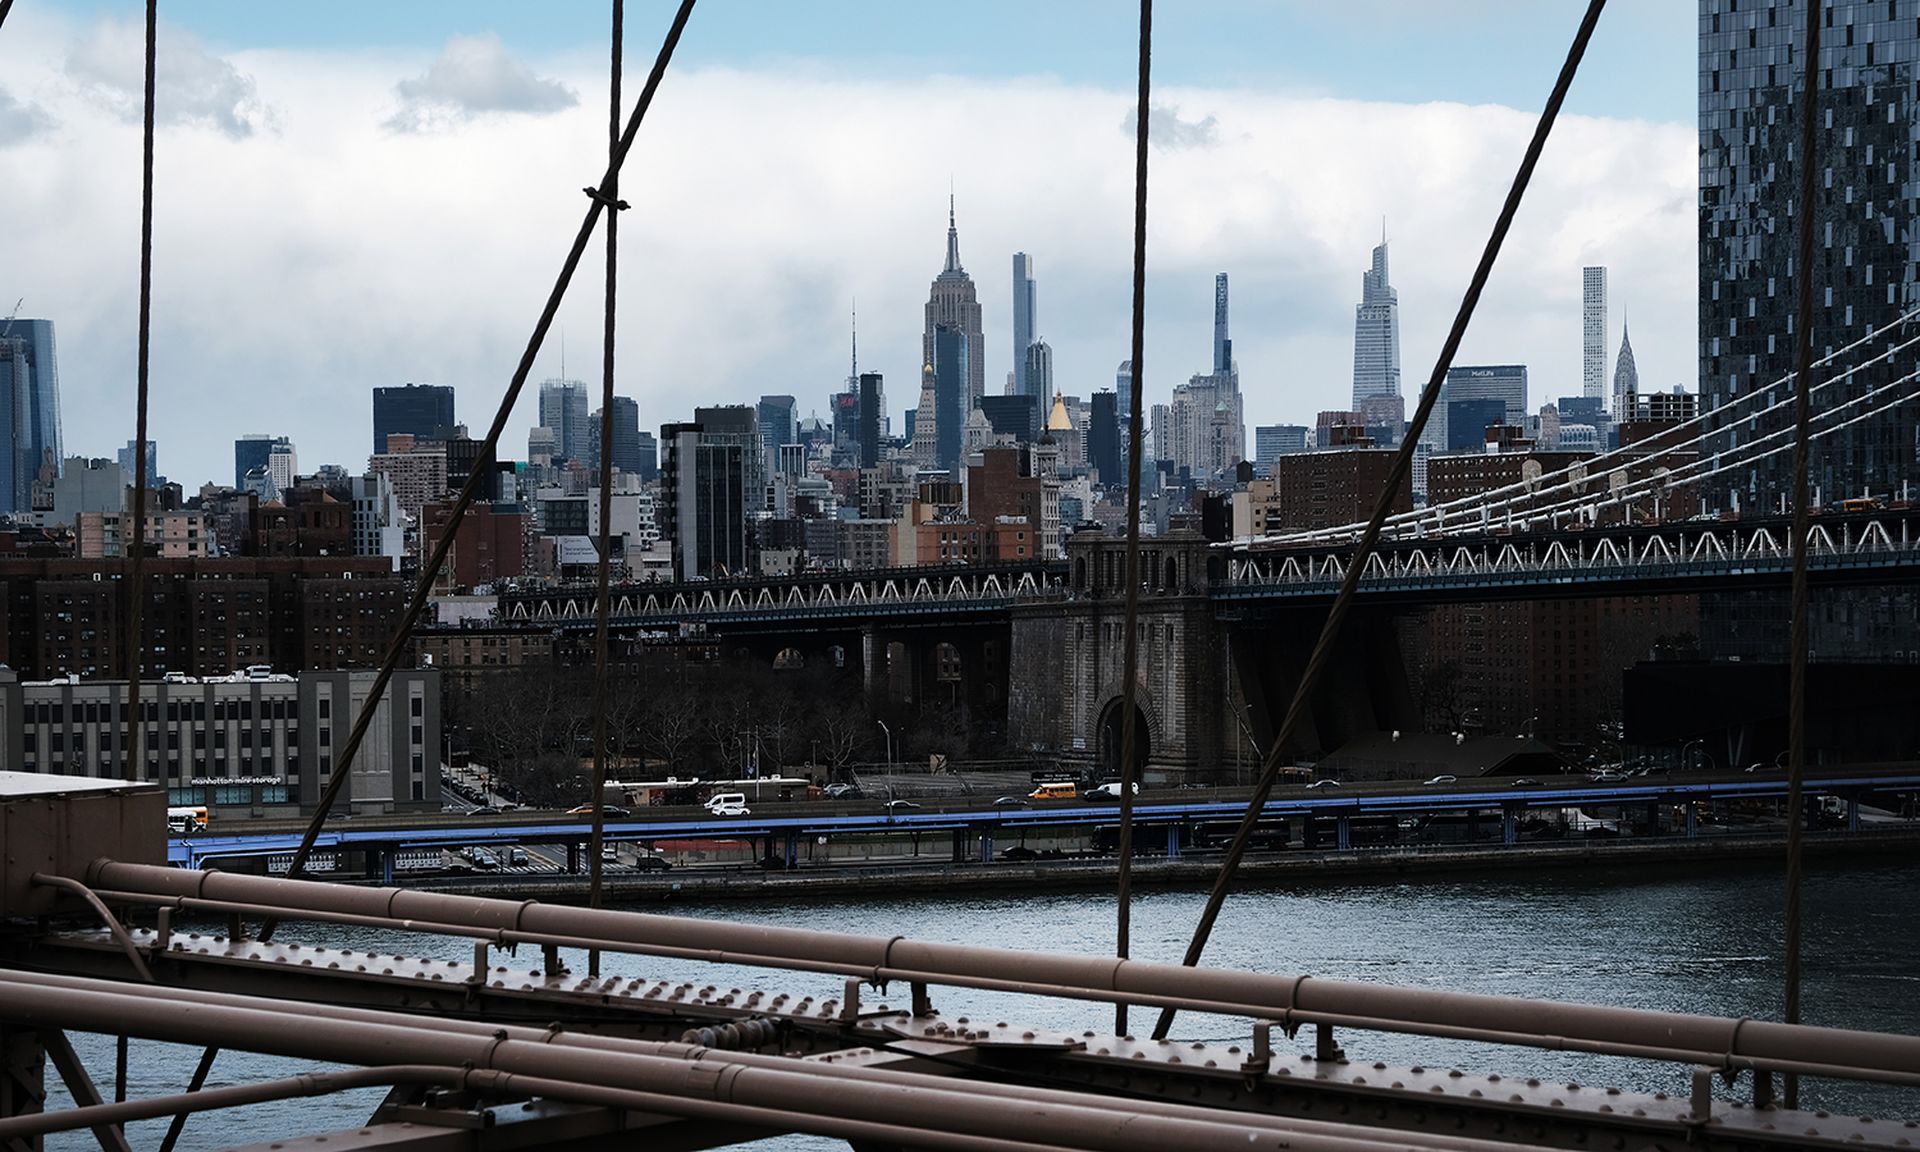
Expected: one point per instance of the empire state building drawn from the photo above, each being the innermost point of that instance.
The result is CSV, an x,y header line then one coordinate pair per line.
x,y
953,304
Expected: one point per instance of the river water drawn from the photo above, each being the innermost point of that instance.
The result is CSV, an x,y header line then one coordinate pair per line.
x,y
1708,942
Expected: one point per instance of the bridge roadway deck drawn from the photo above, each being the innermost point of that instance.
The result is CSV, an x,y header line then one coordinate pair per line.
x,y
822,818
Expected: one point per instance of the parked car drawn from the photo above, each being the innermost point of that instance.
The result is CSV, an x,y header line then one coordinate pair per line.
x,y
1017,852
516,857
648,863
484,859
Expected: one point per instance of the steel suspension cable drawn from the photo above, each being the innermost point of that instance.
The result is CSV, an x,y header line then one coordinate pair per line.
x,y
133,647
1797,640
598,198
1439,512
604,607
1398,474
1130,647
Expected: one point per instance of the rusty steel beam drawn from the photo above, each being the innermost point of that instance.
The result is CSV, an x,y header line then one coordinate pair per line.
x,y
680,1079
1292,1000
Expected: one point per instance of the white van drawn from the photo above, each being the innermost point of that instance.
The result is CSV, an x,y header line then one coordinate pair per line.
x,y
728,804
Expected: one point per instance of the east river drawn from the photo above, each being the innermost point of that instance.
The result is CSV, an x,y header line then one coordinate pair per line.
x,y
1709,942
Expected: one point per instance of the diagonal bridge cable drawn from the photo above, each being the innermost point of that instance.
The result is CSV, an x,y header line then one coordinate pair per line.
x,y
599,198
604,608
1402,464
1130,657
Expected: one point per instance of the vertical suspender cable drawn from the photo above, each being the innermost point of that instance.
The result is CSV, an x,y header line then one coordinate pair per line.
x,y
133,647
1130,648
598,198
1402,466
604,607
1802,407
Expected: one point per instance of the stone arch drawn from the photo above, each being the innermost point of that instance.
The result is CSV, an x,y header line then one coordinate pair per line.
x,y
1216,569
1107,737
1173,574
789,660
1080,572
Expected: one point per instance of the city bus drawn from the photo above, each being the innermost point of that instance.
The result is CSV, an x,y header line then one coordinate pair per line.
x,y
187,821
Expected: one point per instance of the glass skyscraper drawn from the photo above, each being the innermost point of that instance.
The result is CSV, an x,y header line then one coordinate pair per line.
x,y
1376,334
1867,255
1593,332
1025,312
424,411
29,410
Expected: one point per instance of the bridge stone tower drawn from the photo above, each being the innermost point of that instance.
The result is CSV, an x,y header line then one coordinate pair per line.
x,y
1065,663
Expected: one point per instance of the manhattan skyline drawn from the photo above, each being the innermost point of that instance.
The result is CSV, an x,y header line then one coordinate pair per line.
x,y
732,290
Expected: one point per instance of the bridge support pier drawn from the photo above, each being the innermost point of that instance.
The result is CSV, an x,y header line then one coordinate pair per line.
x,y
793,852
1343,832
873,670
1853,814
986,847
1653,819
1173,841
573,859
1509,826
1693,820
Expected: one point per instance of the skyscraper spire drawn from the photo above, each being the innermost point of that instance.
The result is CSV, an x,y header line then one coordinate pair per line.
x,y
953,239
854,336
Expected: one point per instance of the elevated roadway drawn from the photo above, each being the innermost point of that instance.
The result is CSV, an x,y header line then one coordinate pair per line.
x,y
981,819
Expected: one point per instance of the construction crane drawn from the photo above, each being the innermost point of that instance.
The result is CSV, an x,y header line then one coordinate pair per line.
x,y
8,325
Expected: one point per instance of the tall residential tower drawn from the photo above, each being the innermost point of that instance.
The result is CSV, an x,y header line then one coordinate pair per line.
x,y
1025,314
1593,333
1866,275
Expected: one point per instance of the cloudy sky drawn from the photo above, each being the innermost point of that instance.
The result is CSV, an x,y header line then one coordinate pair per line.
x,y
358,194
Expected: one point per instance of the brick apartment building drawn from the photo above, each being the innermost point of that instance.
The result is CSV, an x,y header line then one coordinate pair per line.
x,y
205,617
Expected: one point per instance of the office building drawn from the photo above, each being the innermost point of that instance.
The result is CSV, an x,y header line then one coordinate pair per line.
x,y
1626,380
251,453
953,303
1506,383
379,523
31,448
1376,334
418,474
1123,388
282,463
236,743
1025,315
1593,333
1271,441
1039,370
872,406
1015,416
1866,274
626,436
951,371
703,500
128,457
646,458
778,423
1103,441
563,408
423,411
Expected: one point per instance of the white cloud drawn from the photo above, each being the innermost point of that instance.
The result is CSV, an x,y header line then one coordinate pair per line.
x,y
20,121
475,76
1166,129
299,269
191,85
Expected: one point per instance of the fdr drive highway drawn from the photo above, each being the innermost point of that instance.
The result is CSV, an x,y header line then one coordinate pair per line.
x,y
1328,814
